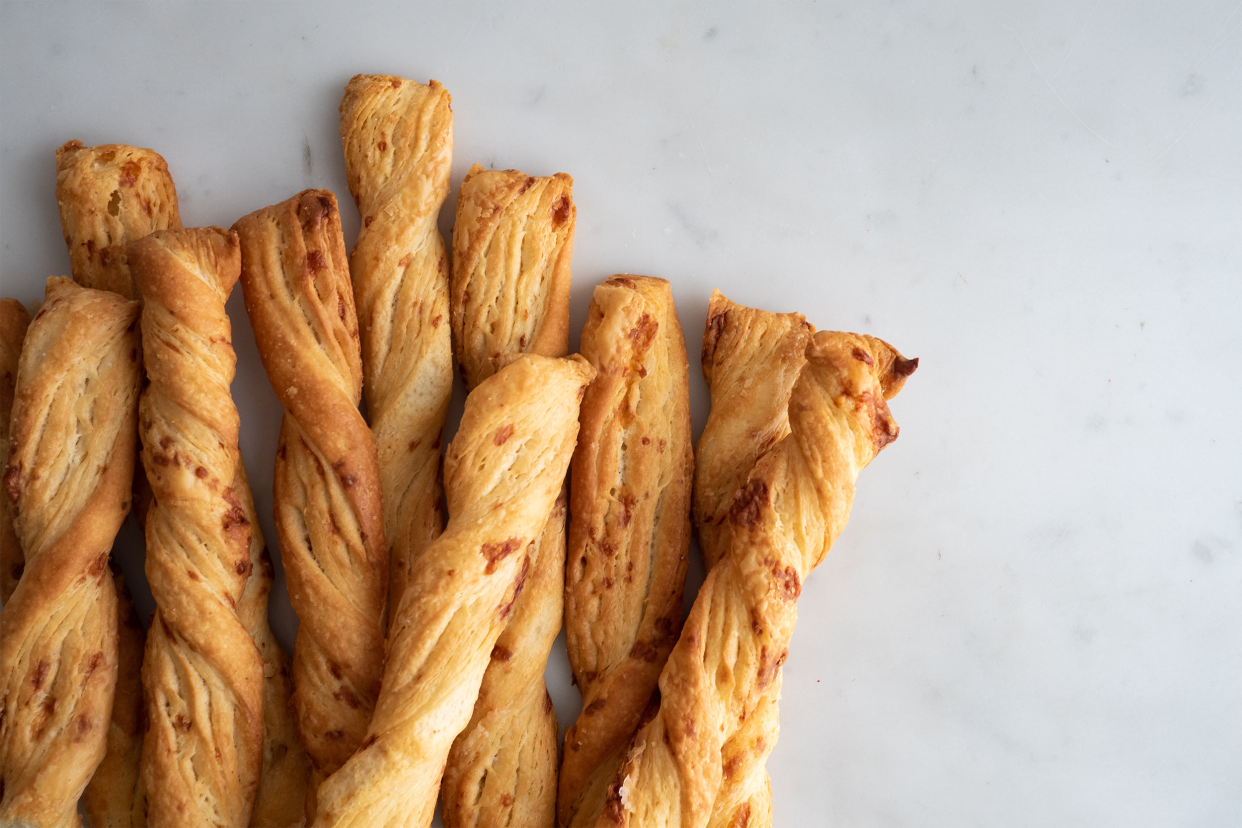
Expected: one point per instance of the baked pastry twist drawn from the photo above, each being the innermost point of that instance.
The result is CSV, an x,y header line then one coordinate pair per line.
x,y
512,246
13,322
398,139
751,359
202,674
281,799
795,502
68,480
329,518
502,473
109,196
502,767
630,529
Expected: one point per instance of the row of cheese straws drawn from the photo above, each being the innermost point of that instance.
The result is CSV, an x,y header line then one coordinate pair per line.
x,y
467,643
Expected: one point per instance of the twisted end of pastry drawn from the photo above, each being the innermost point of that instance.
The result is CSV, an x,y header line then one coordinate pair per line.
x,y
108,196
751,359
512,246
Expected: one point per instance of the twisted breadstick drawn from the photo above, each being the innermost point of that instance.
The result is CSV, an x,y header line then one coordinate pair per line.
x,y
502,767
630,529
202,674
751,359
795,503
512,246
281,798
13,322
398,138
109,196
502,473
68,480
329,518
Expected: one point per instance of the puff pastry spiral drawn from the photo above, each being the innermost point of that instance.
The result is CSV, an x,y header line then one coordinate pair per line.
x,y
501,477
329,518
202,674
629,531
795,502
68,480
510,294
398,139
751,359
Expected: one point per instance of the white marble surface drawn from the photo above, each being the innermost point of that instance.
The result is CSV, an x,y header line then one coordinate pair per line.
x,y
1035,615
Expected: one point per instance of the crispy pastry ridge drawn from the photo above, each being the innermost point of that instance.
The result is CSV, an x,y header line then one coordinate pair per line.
x,y
502,474
329,518
68,480
794,504
629,530
202,674
398,140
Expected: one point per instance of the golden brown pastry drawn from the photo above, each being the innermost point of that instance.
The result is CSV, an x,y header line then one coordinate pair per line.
x,y
795,502
13,322
114,797
502,767
109,196
751,359
398,139
512,244
77,386
502,474
329,518
281,798
629,531
202,674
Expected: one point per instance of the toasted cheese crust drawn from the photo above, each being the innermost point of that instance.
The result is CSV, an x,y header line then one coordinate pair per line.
x,y
751,359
